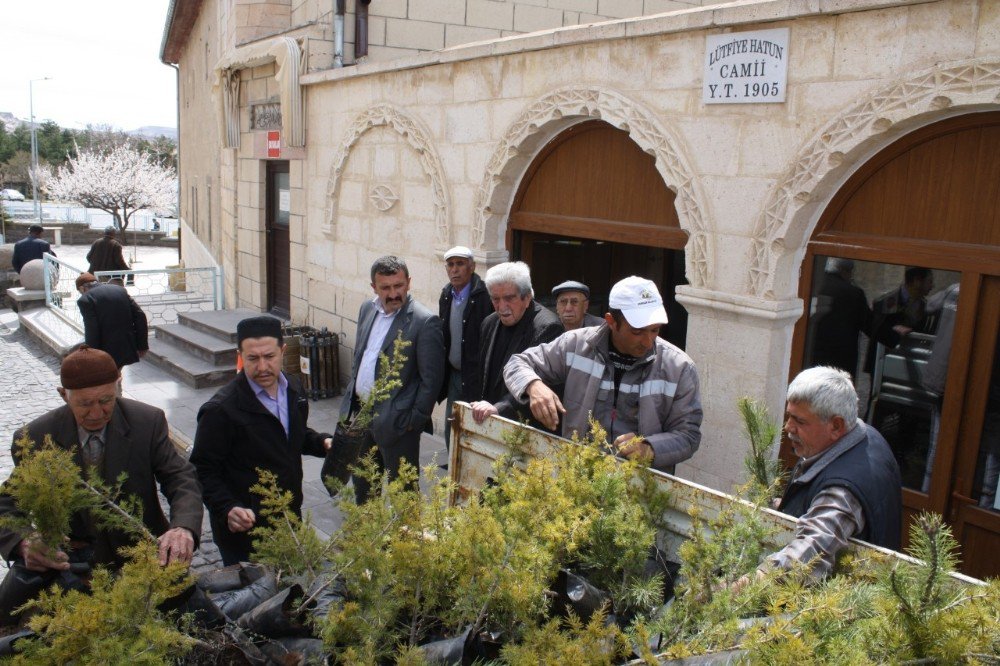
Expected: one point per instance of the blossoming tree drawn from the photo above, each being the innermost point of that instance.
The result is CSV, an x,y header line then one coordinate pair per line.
x,y
120,180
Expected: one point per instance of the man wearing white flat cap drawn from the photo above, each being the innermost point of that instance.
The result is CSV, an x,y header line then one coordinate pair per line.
x,y
642,389
463,305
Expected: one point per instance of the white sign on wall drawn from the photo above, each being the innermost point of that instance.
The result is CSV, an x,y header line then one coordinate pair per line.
x,y
746,67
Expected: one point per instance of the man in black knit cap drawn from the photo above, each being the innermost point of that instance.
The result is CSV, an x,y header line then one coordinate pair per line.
x,y
258,420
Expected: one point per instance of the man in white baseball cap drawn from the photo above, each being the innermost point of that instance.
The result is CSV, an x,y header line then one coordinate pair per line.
x,y
642,389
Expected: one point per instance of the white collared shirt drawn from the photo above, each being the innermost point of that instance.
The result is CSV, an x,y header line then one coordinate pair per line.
x,y
369,360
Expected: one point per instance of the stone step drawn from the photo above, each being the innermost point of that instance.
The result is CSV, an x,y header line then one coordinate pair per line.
x,y
219,323
194,371
203,345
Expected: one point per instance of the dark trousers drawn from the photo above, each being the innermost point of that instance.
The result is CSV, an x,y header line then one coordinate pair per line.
x,y
388,460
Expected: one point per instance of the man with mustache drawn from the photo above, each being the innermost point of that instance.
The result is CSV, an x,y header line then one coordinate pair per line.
x,y
406,413
463,305
258,420
846,482
518,322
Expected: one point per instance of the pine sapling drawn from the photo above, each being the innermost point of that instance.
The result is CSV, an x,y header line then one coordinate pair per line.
x,y
386,381
762,467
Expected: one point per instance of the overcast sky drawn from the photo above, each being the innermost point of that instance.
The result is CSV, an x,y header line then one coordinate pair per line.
x,y
103,57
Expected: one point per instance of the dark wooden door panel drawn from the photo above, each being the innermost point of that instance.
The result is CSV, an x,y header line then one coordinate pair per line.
x,y
278,252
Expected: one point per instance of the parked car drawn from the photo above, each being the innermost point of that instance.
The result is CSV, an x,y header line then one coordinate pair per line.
x,y
11,195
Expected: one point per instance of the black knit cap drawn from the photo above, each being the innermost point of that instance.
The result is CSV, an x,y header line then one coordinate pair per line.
x,y
263,326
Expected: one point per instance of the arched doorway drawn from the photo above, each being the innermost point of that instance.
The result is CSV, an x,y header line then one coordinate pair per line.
x,y
592,207
914,228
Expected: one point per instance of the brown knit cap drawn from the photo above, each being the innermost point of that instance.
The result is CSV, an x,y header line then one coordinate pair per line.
x,y
86,367
84,278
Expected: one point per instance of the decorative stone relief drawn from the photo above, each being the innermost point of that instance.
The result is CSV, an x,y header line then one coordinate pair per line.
x,y
783,226
382,197
553,113
417,138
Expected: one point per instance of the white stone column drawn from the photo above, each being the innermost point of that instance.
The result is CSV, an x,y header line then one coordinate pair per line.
x,y
742,347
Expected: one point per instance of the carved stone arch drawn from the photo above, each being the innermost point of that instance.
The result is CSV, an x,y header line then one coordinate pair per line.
x,y
417,138
783,228
554,112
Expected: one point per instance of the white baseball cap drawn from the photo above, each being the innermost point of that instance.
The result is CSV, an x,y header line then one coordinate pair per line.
x,y
458,251
639,300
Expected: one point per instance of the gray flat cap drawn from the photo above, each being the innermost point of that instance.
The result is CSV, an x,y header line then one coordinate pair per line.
x,y
571,285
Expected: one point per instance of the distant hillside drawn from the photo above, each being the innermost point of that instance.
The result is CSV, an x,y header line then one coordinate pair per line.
x,y
10,123
151,132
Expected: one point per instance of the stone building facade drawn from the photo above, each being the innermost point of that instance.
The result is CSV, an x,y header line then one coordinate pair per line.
x,y
429,143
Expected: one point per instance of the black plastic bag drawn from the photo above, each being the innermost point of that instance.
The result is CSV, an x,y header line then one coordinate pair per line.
x,y
295,650
237,602
575,593
277,617
21,585
345,451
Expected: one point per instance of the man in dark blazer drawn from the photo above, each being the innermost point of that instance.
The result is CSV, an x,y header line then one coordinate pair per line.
x,y
118,436
112,320
518,323
463,305
256,420
401,418
30,248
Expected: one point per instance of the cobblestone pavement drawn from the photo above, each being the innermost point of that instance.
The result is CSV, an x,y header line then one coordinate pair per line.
x,y
29,375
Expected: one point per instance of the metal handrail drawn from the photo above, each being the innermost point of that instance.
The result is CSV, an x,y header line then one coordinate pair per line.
x,y
163,294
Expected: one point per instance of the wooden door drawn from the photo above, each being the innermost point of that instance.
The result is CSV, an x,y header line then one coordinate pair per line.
x,y
930,202
592,207
278,206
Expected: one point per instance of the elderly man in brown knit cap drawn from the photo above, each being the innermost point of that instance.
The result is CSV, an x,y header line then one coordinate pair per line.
x,y
115,435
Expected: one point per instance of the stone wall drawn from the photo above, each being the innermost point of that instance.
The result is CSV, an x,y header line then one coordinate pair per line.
x,y
414,155
459,131
207,186
406,27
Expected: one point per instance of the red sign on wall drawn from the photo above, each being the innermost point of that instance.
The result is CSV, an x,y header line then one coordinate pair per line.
x,y
274,144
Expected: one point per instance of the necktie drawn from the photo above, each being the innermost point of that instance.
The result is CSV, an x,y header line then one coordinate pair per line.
x,y
93,451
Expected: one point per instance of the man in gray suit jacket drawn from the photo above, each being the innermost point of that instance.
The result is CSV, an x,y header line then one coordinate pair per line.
x,y
407,412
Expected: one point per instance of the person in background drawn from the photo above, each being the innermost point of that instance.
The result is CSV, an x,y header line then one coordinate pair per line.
x,y
107,254
463,305
112,320
30,248
572,303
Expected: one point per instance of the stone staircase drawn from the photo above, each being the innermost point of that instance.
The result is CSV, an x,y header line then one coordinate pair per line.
x,y
200,349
